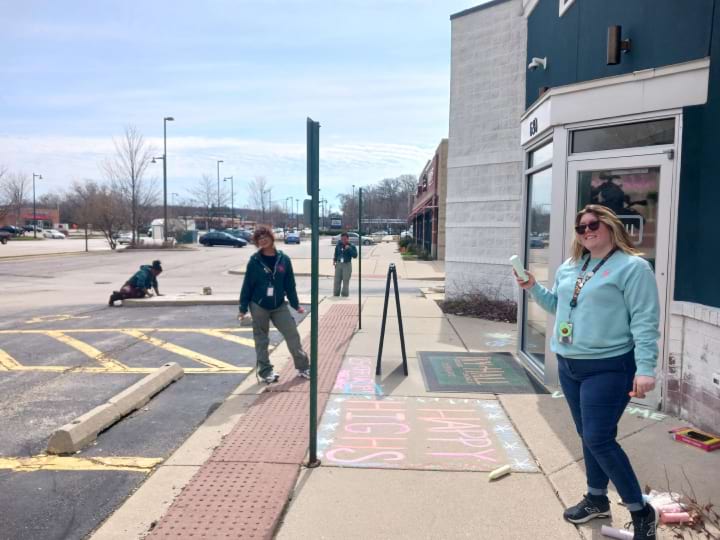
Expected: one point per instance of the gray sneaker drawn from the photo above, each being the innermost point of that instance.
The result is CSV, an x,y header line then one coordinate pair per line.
x,y
272,378
304,373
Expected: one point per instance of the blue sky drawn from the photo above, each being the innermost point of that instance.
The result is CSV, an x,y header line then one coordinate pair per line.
x,y
239,77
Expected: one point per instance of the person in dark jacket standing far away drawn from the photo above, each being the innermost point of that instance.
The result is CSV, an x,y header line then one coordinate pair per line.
x,y
345,252
606,308
139,285
268,279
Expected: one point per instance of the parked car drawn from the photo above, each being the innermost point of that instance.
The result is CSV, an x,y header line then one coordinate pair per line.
x,y
536,242
406,234
124,238
219,238
54,234
14,231
4,237
31,228
354,237
241,233
292,238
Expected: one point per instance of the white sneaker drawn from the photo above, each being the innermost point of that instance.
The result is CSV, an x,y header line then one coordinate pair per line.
x,y
304,373
272,378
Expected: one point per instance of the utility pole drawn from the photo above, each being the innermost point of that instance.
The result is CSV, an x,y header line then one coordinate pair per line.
x,y
219,161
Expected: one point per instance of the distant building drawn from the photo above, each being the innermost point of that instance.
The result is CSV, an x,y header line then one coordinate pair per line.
x,y
47,218
427,216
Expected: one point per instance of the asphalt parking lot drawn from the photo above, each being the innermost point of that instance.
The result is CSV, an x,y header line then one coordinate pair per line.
x,y
57,366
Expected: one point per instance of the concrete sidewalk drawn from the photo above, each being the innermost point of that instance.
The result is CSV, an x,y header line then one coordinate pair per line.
x,y
394,493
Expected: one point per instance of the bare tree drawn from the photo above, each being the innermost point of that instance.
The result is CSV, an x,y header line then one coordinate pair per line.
x,y
15,191
126,172
259,191
99,205
205,194
4,201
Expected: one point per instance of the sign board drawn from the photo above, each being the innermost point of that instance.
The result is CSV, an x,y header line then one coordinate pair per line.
x,y
535,123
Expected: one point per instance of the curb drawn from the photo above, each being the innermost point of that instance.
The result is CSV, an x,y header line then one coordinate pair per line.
x,y
199,300
74,436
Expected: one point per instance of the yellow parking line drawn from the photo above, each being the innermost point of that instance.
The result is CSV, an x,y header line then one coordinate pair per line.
x,y
87,350
182,351
7,362
142,370
58,463
229,337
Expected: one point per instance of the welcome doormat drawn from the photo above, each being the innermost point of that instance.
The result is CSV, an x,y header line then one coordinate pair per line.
x,y
483,372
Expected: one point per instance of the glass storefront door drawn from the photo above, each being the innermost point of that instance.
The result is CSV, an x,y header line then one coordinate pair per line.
x,y
537,249
638,190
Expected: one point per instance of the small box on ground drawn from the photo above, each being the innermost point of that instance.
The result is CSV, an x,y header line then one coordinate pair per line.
x,y
697,438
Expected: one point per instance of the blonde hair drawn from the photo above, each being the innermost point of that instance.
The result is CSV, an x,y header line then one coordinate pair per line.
x,y
618,235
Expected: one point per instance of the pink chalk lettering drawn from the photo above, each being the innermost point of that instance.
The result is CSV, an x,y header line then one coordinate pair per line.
x,y
479,455
442,412
473,442
354,428
398,416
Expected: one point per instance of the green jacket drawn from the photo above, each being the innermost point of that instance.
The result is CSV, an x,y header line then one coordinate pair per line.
x,y
144,278
349,253
258,277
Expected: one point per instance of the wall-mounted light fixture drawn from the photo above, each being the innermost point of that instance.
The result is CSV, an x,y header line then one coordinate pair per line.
x,y
616,44
537,62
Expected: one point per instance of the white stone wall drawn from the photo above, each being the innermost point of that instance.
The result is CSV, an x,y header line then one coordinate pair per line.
x,y
484,205
693,361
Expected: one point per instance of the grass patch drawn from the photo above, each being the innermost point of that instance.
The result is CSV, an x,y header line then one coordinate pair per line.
x,y
25,239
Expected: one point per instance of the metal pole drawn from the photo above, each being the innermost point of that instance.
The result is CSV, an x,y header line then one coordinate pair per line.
x,y
219,161
86,238
359,259
165,215
297,213
34,212
313,166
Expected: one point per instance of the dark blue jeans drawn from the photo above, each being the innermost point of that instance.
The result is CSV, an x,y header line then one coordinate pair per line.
x,y
597,393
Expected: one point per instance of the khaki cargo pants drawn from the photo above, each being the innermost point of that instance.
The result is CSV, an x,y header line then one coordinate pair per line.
x,y
343,271
284,322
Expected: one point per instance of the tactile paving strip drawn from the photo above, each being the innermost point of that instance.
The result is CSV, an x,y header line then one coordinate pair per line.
x,y
242,490
230,500
274,430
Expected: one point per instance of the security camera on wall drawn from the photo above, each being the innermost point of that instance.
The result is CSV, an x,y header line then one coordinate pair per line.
x,y
537,62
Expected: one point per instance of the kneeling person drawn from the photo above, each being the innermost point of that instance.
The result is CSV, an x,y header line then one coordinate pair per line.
x,y
139,285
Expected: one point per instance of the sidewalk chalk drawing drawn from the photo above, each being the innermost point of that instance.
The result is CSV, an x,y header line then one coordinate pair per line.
x,y
641,412
420,433
499,339
357,376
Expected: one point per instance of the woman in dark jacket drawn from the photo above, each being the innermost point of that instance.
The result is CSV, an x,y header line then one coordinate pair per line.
x,y
268,279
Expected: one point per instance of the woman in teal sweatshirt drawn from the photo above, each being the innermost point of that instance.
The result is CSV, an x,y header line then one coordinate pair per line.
x,y
606,309
268,279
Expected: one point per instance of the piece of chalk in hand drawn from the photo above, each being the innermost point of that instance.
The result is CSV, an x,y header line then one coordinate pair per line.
x,y
499,472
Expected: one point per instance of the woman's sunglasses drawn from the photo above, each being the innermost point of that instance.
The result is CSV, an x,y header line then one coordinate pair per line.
x,y
593,226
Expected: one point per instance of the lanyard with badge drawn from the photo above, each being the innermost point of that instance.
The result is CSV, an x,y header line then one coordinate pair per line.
x,y
565,329
271,287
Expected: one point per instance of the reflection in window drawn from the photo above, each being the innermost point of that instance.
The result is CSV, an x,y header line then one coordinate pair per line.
x,y
537,244
541,155
652,133
633,195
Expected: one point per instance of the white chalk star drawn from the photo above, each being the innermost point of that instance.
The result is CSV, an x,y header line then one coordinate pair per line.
x,y
326,441
489,405
329,427
502,429
334,412
339,399
494,416
511,446
523,465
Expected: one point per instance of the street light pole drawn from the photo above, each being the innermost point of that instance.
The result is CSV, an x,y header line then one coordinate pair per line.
x,y
232,201
287,217
219,161
297,213
165,214
39,177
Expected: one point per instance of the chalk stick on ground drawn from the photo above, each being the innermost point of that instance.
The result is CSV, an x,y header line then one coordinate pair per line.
x,y
499,472
612,532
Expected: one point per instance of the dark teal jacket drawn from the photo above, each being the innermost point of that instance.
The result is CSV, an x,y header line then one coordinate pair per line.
x,y
350,251
258,277
144,278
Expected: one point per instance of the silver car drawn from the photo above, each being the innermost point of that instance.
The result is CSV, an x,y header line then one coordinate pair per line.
x,y
354,238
